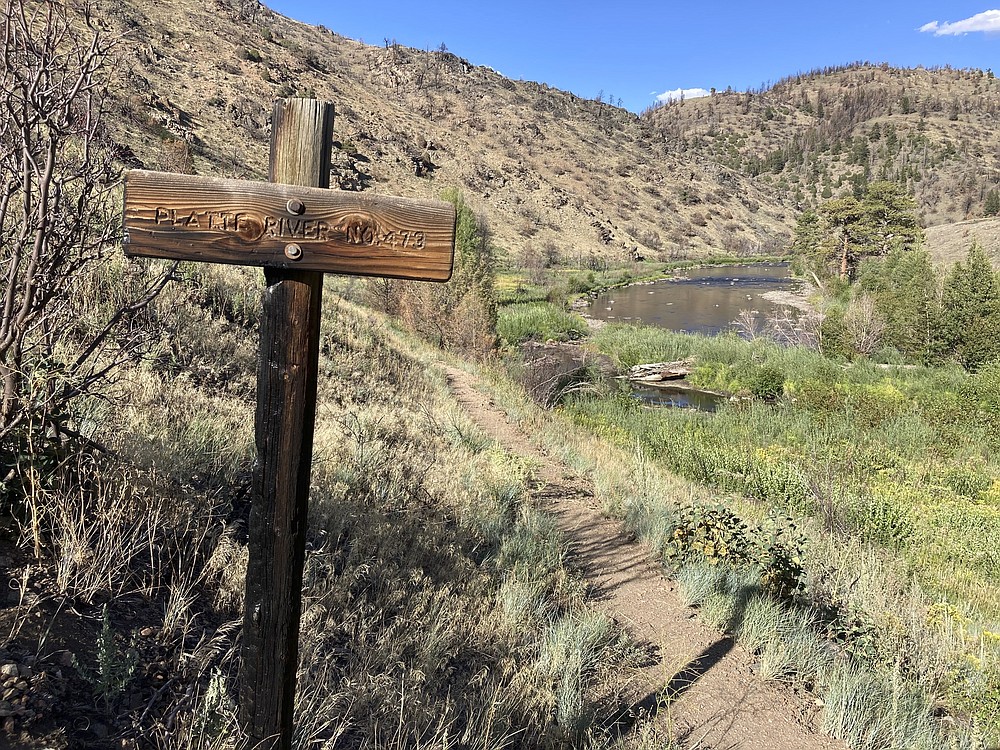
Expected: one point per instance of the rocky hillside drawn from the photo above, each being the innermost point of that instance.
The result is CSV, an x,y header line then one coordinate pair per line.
x,y
818,135
557,177
553,173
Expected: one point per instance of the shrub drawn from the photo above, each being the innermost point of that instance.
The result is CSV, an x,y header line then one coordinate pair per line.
x,y
885,516
460,315
59,340
716,534
248,54
766,382
819,396
579,285
871,405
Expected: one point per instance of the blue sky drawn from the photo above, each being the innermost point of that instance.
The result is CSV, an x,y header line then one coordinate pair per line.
x,y
636,51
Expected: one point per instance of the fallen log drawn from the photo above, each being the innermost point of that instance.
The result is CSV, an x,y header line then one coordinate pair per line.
x,y
656,372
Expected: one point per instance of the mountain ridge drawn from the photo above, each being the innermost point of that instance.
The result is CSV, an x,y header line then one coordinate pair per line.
x,y
555,175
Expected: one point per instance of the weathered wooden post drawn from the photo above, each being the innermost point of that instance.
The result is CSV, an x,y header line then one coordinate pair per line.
x,y
301,139
296,234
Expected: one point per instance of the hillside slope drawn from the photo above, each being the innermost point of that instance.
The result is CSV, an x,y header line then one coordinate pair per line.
x,y
950,242
551,172
556,176
819,135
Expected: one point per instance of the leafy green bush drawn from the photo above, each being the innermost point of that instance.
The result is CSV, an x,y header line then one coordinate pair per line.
x,y
871,405
717,534
969,480
885,516
766,382
712,376
833,334
580,285
819,396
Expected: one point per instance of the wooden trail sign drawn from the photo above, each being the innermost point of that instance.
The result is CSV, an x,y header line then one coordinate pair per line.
x,y
296,230
283,226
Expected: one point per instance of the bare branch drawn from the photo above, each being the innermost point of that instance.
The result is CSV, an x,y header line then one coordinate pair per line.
x,y
58,218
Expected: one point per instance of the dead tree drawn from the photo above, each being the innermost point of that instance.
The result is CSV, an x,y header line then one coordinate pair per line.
x,y
58,218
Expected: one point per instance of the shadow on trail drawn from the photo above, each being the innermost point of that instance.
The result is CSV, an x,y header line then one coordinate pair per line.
x,y
648,706
603,552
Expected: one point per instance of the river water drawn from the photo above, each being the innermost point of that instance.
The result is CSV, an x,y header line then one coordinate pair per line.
x,y
669,394
701,300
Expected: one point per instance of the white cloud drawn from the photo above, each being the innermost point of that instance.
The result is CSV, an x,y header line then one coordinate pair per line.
x,y
675,95
988,22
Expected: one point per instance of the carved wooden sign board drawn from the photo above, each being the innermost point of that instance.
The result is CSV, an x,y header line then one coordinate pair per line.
x,y
184,217
297,229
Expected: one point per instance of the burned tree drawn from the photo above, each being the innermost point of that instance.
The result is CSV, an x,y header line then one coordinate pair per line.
x,y
59,334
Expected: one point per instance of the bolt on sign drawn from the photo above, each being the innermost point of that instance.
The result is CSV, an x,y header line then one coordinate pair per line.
x,y
297,230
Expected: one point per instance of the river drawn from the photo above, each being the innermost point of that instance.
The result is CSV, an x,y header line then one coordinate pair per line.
x,y
701,300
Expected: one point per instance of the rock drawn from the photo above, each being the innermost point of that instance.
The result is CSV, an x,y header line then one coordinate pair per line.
x,y
9,670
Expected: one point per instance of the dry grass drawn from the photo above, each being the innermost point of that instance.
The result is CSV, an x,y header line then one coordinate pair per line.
x,y
436,606
949,243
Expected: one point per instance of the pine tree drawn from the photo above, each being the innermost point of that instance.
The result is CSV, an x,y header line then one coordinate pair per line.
x,y
991,206
808,234
904,286
847,230
969,328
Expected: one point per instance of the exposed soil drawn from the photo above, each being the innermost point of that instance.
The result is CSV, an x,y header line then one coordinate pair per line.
x,y
713,698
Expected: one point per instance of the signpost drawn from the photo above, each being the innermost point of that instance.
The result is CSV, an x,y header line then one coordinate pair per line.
x,y
296,229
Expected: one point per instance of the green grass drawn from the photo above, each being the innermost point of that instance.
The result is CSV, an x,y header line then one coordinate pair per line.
x,y
908,459
540,321
874,576
513,287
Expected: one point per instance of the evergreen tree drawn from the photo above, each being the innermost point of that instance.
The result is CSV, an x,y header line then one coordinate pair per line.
x,y
969,328
991,206
904,287
846,235
891,214
848,230
808,234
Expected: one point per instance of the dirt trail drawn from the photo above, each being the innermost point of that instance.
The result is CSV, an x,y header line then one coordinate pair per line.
x,y
719,702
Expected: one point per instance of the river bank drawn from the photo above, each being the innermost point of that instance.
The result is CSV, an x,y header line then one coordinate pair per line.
x,y
880,466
